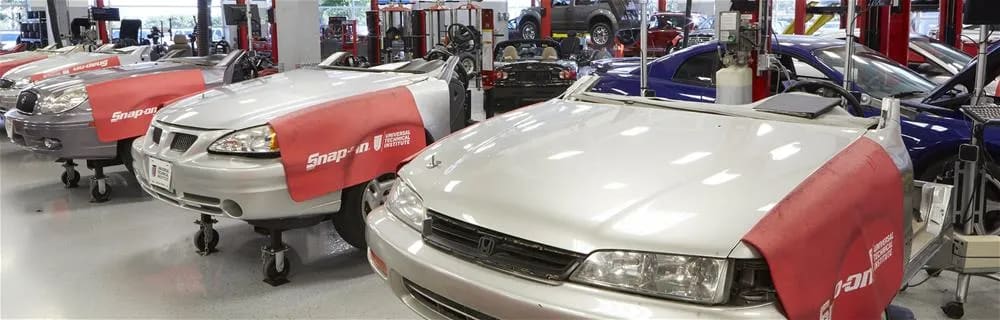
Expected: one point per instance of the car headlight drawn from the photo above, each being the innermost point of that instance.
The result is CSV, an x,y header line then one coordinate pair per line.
x,y
406,205
695,279
63,102
260,141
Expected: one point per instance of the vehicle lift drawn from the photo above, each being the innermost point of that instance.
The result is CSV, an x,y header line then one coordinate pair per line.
x,y
439,20
877,20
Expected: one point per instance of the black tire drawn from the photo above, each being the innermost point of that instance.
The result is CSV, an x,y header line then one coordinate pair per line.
x,y
97,196
529,30
199,241
354,208
601,34
70,182
271,269
468,63
954,310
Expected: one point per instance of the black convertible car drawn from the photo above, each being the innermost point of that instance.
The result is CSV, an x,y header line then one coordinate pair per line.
x,y
525,72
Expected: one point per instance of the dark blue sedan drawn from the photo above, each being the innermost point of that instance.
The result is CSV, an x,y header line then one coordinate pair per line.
x,y
932,126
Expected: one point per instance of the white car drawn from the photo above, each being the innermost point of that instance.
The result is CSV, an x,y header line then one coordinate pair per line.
x,y
604,206
20,77
297,148
17,59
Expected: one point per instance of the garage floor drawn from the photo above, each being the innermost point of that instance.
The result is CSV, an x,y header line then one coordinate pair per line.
x,y
61,256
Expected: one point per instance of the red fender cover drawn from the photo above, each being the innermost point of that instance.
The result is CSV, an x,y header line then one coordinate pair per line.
x,y
341,143
123,108
6,66
108,62
835,244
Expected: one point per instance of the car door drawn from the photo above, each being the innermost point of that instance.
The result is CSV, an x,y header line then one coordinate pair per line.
x,y
561,15
692,80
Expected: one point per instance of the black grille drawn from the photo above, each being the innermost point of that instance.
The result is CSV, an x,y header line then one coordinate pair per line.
x,y
442,305
6,84
26,101
501,251
182,142
157,133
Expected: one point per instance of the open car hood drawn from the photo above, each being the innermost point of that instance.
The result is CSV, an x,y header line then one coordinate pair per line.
x,y
967,77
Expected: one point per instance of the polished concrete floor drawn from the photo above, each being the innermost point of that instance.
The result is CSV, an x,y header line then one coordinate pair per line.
x,y
64,257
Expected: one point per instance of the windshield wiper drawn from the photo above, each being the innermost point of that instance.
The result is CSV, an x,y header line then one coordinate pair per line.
x,y
906,94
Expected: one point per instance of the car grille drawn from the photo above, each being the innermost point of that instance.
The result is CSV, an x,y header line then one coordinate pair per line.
x,y
182,141
442,305
498,250
26,101
6,84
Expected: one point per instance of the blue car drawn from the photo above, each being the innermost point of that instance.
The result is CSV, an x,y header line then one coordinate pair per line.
x,y
933,128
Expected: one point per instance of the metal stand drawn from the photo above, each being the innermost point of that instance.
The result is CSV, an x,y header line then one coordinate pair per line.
x,y
70,177
207,237
275,262
100,191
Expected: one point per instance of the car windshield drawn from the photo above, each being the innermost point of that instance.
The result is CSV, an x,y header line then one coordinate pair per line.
x,y
956,59
877,75
519,51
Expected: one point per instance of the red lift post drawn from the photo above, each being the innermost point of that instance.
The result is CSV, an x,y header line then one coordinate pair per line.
x,y
102,27
242,30
661,6
761,79
274,32
545,30
949,30
799,23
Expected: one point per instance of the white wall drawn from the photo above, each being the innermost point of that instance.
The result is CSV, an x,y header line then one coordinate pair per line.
x,y
298,32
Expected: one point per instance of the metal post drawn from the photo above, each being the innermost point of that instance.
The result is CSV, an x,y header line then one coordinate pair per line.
x,y
102,27
849,48
53,18
249,33
643,56
204,27
687,19
981,67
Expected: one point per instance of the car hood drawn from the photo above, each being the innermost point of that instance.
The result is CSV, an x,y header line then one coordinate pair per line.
x,y
583,177
58,84
54,63
967,77
256,102
21,55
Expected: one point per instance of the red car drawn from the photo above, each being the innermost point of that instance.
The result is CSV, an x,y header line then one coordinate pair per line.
x,y
666,31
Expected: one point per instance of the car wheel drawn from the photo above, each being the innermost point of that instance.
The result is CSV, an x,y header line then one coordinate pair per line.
x,y
529,30
600,33
468,62
944,172
357,202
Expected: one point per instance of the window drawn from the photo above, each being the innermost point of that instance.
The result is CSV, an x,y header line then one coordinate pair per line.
x,y
584,2
803,69
560,3
699,70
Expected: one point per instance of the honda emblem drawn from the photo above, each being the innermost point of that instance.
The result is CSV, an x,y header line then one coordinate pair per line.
x,y
486,245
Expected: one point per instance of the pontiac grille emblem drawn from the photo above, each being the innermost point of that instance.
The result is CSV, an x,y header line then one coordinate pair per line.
x,y
486,245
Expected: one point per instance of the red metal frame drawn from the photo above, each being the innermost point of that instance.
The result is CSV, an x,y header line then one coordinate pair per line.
x,y
242,43
661,6
897,40
799,23
762,81
274,32
102,27
951,16
545,30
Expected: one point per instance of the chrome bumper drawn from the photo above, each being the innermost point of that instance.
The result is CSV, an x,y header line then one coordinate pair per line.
x,y
76,137
437,285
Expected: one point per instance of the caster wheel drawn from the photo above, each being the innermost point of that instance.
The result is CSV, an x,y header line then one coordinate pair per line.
x,y
271,273
70,182
202,245
96,194
933,272
954,310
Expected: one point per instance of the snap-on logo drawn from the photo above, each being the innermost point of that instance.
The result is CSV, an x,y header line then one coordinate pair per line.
x,y
378,143
878,254
119,116
92,65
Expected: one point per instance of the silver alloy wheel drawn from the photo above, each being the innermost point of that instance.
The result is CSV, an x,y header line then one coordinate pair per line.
x,y
600,35
528,31
375,194
469,65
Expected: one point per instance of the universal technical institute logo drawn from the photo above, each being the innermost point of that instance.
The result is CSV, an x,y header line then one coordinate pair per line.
x,y
378,143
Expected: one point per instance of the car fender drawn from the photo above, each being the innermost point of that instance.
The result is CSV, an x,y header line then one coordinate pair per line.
x,y
119,113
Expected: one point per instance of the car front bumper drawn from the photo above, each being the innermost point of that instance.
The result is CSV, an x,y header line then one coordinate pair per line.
x,y
428,280
70,135
222,185
8,99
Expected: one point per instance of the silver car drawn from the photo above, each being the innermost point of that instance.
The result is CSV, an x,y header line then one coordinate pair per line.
x,y
230,161
605,206
55,117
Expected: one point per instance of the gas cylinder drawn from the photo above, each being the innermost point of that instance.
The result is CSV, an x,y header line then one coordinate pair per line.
x,y
734,85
